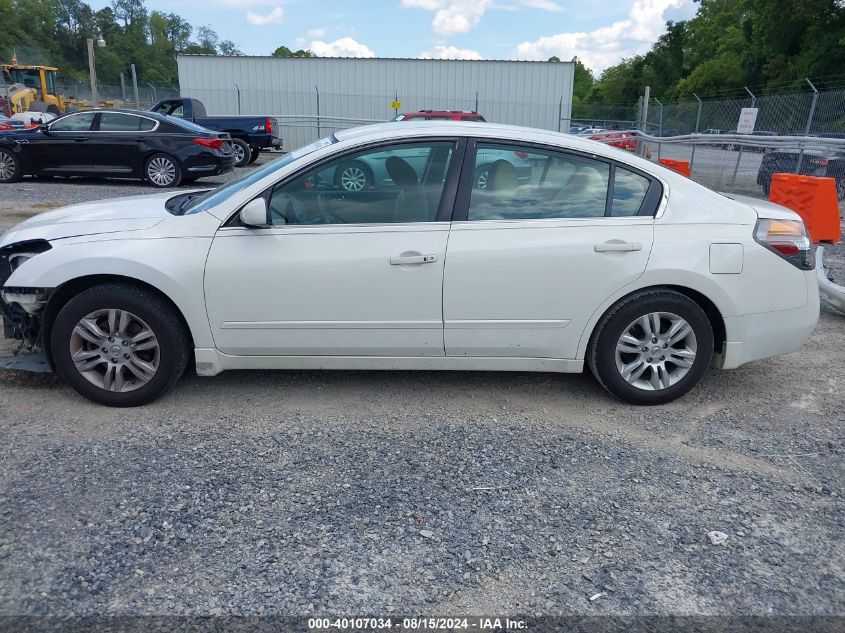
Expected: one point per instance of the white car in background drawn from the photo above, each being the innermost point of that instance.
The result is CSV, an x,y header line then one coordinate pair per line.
x,y
600,259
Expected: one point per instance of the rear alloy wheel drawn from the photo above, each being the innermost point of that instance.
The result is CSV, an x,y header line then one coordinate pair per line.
x,y
119,345
162,171
10,167
241,152
652,347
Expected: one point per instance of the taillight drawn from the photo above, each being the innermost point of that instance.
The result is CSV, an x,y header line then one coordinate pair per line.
x,y
210,143
786,238
268,126
5,126
823,162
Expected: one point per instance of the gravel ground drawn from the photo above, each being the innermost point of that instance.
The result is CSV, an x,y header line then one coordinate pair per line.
x,y
449,493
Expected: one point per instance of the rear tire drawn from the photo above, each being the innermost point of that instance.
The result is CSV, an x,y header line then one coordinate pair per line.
x,y
242,152
10,167
163,171
146,352
648,364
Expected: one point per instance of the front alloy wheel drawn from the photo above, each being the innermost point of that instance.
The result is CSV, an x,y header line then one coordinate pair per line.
x,y
115,350
119,345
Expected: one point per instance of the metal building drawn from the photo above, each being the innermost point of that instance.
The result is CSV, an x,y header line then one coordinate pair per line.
x,y
315,96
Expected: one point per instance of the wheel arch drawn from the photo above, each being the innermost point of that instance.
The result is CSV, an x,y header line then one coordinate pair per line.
x,y
714,315
69,289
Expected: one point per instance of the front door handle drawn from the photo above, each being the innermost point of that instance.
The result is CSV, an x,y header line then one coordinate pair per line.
x,y
623,247
403,260
80,139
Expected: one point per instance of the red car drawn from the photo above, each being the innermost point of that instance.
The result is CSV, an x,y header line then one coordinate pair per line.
x,y
440,115
621,140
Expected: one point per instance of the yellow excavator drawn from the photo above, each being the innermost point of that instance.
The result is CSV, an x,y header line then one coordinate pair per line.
x,y
31,89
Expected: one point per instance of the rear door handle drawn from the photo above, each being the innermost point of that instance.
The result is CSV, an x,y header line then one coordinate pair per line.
x,y
624,247
80,139
403,260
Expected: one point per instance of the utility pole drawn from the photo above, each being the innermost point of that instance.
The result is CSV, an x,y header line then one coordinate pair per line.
x,y
92,66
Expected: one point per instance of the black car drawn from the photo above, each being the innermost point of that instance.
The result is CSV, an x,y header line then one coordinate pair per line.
x,y
164,151
829,164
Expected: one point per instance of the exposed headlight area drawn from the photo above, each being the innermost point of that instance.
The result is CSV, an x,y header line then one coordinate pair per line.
x,y
787,239
21,305
13,256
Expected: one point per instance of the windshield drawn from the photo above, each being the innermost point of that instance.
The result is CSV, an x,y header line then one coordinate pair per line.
x,y
224,192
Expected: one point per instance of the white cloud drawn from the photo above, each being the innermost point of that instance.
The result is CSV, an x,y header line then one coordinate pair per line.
x,y
245,4
605,46
274,17
459,16
344,47
450,52
317,33
545,5
452,16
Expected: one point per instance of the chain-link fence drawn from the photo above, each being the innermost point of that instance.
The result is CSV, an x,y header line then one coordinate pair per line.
x,y
116,95
740,163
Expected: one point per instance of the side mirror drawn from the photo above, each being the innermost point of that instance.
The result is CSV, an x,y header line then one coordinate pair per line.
x,y
254,214
45,129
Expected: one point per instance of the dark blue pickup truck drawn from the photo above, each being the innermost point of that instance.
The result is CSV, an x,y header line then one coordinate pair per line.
x,y
250,134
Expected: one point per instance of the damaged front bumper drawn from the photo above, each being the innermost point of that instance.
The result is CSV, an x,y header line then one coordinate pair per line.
x,y
22,308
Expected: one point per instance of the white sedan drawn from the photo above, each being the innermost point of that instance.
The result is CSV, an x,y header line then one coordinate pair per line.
x,y
599,258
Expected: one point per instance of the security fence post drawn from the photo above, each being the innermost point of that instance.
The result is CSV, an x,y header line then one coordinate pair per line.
x,y
697,123
739,154
809,123
319,129
135,85
559,112
123,88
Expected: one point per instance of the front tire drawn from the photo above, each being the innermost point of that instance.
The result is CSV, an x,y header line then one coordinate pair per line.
x,y
10,167
242,152
651,347
119,345
163,171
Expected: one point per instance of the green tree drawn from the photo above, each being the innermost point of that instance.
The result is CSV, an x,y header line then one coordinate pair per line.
x,y
284,51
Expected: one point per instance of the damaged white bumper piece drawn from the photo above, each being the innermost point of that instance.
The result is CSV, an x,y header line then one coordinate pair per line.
x,y
834,293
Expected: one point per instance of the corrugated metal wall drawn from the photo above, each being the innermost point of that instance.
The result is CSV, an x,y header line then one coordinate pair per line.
x,y
535,94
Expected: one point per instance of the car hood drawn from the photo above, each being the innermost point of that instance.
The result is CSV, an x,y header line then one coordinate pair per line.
x,y
135,213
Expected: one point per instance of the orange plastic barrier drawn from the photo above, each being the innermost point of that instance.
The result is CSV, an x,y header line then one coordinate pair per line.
x,y
814,199
680,166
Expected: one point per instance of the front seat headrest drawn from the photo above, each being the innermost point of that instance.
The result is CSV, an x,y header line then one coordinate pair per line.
x,y
401,172
501,177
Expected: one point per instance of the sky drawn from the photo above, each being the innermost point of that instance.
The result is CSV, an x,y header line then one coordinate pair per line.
x,y
599,32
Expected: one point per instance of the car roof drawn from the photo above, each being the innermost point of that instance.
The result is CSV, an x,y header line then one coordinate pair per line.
x,y
411,129
146,113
